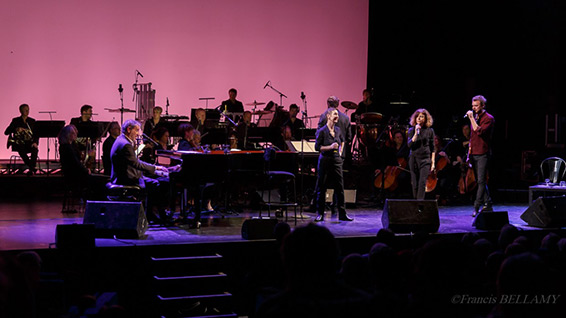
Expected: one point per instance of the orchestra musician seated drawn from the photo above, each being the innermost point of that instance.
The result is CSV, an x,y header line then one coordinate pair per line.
x,y
75,173
198,121
21,138
114,132
447,172
128,170
154,122
242,131
88,133
295,123
186,131
159,141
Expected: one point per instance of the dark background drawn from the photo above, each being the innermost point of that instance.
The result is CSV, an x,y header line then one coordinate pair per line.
x,y
439,54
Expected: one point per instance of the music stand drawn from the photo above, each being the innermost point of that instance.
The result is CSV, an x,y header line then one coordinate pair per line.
x,y
214,136
173,127
48,129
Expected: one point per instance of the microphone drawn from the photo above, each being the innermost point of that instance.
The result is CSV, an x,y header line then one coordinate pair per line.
x,y
140,74
120,89
266,84
466,116
303,95
167,102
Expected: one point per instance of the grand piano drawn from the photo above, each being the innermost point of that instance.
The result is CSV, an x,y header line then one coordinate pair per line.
x,y
230,169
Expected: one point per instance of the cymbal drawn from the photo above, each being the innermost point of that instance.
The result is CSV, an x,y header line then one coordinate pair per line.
x,y
262,112
117,110
255,103
349,105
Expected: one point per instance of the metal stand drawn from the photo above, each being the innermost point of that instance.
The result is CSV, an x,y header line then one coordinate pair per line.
x,y
281,95
206,99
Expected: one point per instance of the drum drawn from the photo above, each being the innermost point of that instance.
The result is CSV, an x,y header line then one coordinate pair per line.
x,y
369,134
371,118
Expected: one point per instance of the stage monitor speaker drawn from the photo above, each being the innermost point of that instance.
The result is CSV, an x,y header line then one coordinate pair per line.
x,y
546,212
259,228
116,218
491,220
74,236
349,196
406,216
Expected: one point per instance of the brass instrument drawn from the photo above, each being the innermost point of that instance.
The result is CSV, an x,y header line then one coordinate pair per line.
x,y
19,138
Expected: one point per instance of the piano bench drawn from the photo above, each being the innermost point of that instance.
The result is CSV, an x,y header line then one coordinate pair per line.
x,y
118,192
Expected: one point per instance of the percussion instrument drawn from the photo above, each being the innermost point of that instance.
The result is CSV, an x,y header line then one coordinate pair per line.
x,y
349,105
255,103
118,110
369,134
371,118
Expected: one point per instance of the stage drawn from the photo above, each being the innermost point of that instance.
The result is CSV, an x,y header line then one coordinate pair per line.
x,y
31,224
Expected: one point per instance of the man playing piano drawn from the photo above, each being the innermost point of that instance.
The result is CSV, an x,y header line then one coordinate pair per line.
x,y
127,169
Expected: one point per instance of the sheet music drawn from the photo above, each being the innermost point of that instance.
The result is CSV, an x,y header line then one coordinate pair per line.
x,y
308,146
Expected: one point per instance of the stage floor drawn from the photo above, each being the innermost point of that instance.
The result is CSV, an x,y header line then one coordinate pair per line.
x,y
31,225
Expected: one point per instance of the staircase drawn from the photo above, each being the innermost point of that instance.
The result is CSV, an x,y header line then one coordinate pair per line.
x,y
190,286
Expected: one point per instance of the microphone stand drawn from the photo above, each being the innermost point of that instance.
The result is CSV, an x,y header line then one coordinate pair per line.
x,y
121,91
281,95
305,119
227,126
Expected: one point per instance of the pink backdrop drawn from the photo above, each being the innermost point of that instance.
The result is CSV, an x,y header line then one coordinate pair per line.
x,y
57,55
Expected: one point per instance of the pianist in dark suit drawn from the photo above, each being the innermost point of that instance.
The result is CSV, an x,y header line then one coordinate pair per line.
x,y
127,169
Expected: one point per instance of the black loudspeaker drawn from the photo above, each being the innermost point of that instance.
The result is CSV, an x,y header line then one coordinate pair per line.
x,y
406,216
74,236
491,220
546,212
115,218
257,229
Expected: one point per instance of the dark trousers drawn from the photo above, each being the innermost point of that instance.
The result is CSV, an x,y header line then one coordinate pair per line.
x,y
157,193
330,175
31,160
480,164
420,169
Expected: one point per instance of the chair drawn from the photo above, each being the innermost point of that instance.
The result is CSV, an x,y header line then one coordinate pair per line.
x,y
13,163
553,169
283,181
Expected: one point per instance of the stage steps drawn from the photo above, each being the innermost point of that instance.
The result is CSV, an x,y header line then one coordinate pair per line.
x,y
191,286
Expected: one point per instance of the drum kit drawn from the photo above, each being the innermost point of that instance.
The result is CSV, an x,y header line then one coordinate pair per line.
x,y
368,127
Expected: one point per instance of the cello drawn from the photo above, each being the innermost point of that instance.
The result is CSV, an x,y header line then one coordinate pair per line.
x,y
432,179
441,162
389,179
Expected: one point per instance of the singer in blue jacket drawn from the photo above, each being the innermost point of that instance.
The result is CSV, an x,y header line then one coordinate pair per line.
x,y
421,144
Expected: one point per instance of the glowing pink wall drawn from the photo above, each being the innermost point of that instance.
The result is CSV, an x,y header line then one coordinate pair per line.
x,y
60,54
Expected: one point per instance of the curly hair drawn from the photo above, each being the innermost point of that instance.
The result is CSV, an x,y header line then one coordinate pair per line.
x,y
428,117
